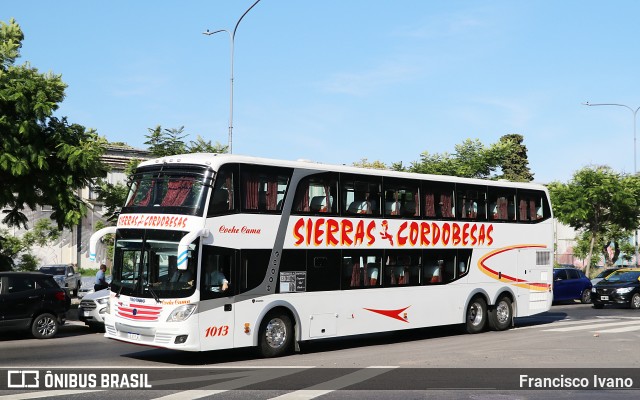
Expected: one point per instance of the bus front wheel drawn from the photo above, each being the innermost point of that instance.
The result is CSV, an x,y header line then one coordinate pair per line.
x,y
276,335
476,315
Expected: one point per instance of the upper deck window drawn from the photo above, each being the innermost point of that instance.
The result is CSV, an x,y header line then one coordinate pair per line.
x,y
177,191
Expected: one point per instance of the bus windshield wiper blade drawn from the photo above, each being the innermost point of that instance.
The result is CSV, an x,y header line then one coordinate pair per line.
x,y
153,293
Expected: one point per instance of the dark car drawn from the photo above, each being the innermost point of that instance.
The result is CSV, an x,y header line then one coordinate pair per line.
x,y
619,287
571,284
603,274
32,301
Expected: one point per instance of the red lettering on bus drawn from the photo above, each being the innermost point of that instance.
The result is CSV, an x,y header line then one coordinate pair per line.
x,y
370,236
318,232
296,232
424,232
332,229
455,235
402,240
359,236
347,228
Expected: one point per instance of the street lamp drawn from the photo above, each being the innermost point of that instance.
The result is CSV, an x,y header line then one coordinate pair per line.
x,y
232,37
635,170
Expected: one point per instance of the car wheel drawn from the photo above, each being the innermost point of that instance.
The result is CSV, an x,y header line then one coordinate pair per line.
x,y
276,335
476,315
501,315
635,301
598,306
44,326
75,291
586,296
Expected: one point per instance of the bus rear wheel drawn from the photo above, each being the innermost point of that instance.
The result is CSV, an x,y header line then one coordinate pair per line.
x,y
276,335
476,315
502,314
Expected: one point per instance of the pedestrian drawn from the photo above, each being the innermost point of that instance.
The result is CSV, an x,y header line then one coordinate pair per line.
x,y
101,280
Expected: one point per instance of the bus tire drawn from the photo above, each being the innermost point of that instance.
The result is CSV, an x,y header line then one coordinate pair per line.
x,y
276,335
476,315
501,316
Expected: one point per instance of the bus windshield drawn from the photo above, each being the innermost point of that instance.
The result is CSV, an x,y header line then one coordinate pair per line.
x,y
168,190
146,265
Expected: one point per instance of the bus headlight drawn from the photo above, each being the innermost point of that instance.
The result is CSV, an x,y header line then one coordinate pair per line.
x,y
182,313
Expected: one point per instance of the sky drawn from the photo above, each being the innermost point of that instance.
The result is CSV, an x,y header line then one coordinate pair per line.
x,y
337,81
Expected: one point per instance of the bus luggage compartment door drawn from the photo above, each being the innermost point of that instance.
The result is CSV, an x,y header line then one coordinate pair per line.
x,y
323,325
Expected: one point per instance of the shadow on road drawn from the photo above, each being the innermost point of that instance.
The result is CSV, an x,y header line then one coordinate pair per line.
x,y
224,356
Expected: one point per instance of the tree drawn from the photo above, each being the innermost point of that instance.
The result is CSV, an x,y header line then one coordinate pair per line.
x,y
19,248
202,146
515,165
365,163
471,159
44,160
166,142
599,203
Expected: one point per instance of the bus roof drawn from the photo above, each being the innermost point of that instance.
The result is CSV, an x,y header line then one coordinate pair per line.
x,y
214,161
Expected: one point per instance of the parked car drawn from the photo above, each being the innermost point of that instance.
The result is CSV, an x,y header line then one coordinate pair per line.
x,y
619,287
92,309
571,284
603,274
65,275
32,301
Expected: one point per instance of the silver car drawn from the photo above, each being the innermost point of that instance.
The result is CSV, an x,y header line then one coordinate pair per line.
x,y
92,309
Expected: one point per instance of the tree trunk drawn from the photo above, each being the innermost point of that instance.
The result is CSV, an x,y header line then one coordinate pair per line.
x,y
589,255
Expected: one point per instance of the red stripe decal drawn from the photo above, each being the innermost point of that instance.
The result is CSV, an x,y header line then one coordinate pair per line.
x,y
395,314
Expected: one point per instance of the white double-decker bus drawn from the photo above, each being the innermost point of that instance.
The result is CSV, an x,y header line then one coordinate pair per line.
x,y
225,251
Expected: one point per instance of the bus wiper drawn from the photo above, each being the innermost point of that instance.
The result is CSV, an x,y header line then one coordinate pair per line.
x,y
120,290
153,293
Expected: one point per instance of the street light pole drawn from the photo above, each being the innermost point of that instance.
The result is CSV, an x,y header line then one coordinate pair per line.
x,y
232,37
635,169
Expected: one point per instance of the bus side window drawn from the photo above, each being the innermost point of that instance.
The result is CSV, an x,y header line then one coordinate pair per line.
x,y
222,199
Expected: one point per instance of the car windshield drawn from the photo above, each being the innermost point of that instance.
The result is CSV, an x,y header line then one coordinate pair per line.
x,y
604,273
623,276
52,270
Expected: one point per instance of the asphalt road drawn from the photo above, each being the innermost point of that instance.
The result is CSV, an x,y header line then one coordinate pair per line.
x,y
569,336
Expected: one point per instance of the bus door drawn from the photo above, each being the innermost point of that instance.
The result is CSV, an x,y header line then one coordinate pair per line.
x,y
217,289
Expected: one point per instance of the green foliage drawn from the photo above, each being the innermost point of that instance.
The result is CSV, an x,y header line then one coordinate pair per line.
x,y
14,248
600,203
202,146
113,197
44,160
107,240
166,142
471,159
515,165
364,163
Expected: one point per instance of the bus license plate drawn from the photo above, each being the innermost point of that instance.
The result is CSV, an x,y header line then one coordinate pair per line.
x,y
604,297
133,336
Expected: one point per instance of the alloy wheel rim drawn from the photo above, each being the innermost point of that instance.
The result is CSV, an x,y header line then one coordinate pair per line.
x,y
502,312
46,326
276,333
475,316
